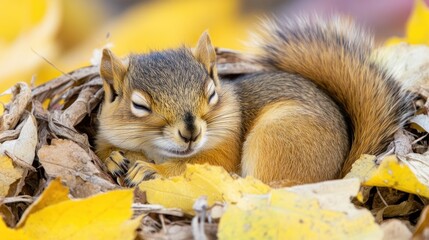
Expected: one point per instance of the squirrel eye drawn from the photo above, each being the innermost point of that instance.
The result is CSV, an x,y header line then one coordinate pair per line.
x,y
213,98
139,105
211,92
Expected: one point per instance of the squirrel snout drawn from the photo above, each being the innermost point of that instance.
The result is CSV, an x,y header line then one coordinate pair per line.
x,y
189,136
190,129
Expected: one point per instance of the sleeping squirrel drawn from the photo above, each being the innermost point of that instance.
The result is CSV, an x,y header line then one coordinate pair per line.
x,y
319,105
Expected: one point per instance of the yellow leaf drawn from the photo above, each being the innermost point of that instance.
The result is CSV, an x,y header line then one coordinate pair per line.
x,y
417,26
104,216
11,234
283,214
53,194
391,173
8,174
198,180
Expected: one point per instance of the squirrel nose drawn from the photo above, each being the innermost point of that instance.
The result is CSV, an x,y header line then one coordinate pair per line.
x,y
189,136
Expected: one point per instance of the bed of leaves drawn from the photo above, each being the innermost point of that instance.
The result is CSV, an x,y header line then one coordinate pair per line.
x,y
57,121
53,186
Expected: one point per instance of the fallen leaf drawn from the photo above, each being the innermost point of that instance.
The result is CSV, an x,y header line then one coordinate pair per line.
x,y
8,217
419,165
408,63
104,216
403,143
24,147
302,214
21,96
417,26
390,173
53,194
8,174
11,234
405,208
420,123
67,160
200,180
332,195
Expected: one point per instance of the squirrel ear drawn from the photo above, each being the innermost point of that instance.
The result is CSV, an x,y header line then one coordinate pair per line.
x,y
205,53
112,71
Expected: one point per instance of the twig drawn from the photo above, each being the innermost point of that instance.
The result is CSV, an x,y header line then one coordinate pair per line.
x,y
381,197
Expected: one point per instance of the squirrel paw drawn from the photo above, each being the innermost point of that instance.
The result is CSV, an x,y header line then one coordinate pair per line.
x,y
141,171
117,163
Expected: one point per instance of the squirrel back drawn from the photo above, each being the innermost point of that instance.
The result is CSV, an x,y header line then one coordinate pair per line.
x,y
336,55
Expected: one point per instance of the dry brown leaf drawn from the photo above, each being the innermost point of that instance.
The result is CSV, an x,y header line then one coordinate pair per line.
x,y
7,215
13,112
405,208
403,143
408,63
24,147
66,159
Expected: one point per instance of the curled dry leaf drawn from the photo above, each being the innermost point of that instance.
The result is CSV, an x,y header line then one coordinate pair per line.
x,y
24,147
305,212
402,209
14,110
403,143
20,155
420,122
8,217
66,159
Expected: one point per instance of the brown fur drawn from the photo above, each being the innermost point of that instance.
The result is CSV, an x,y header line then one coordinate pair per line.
x,y
335,55
278,147
286,125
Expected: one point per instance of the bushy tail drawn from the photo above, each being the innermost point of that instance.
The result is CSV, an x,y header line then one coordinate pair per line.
x,y
335,54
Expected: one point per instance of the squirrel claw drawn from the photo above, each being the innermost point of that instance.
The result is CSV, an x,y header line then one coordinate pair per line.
x,y
140,171
117,163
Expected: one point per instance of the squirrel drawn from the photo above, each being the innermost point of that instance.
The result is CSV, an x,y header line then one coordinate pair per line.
x,y
319,104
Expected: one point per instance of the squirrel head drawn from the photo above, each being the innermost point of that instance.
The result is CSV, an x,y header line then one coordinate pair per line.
x,y
168,103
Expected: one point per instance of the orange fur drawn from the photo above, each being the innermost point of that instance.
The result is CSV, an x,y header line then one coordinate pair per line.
x,y
280,124
289,142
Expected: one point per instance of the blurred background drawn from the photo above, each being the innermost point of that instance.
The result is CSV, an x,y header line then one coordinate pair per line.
x,y
41,39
